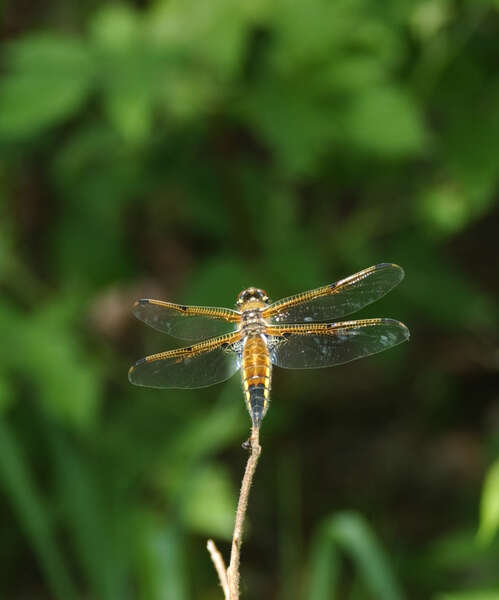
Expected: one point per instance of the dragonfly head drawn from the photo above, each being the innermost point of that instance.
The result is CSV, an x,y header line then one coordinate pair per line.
x,y
252,294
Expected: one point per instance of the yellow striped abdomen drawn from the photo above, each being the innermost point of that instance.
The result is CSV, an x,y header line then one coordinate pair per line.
x,y
256,371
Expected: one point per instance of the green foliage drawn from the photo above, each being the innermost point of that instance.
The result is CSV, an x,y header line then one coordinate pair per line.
x,y
185,151
50,77
489,510
33,514
476,595
67,383
349,533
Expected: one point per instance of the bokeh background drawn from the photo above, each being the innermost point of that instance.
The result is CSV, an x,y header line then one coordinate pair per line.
x,y
184,150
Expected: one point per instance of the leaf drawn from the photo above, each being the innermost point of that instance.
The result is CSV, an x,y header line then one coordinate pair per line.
x,y
348,532
211,431
67,384
299,130
49,77
324,568
131,113
209,502
91,522
115,26
161,559
489,507
130,74
217,282
213,34
445,209
386,122
27,503
427,270
471,595
471,143
6,394
429,17
43,349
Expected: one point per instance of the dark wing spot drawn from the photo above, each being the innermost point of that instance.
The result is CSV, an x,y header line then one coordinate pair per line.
x,y
143,301
224,346
183,308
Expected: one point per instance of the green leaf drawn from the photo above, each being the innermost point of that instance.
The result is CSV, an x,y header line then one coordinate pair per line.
x,y
6,394
489,508
351,534
67,384
131,114
49,78
161,559
213,34
472,127
131,75
430,17
427,270
115,26
471,595
92,525
445,209
217,282
324,568
27,503
386,122
299,130
212,431
209,502
43,349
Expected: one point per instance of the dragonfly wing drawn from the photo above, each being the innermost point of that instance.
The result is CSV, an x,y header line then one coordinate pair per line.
x,y
325,345
336,299
186,322
201,365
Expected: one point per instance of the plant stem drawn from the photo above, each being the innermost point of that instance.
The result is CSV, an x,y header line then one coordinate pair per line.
x,y
237,538
229,578
218,561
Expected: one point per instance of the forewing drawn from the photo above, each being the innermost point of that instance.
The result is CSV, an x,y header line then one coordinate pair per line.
x,y
335,300
325,345
196,366
186,322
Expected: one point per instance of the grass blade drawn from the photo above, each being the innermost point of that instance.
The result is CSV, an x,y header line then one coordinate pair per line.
x,y
350,533
27,503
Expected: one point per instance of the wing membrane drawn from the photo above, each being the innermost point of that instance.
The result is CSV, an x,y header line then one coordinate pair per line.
x,y
201,365
333,301
186,322
325,345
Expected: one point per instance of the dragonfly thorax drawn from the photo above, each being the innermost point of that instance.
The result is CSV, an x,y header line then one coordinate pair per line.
x,y
251,302
252,322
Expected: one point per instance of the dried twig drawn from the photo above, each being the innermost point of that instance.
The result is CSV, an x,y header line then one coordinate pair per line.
x,y
230,577
218,561
237,538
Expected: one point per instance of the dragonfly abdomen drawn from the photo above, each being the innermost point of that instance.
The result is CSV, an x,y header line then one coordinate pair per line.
x,y
256,370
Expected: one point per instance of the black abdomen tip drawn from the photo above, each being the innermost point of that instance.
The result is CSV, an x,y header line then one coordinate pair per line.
x,y
258,403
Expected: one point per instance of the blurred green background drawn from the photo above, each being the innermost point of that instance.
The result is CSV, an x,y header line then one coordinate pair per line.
x,y
184,150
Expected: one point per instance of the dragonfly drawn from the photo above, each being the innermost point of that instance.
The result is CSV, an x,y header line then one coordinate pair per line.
x,y
298,332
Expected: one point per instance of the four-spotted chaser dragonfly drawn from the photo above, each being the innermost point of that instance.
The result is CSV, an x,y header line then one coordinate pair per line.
x,y
299,332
